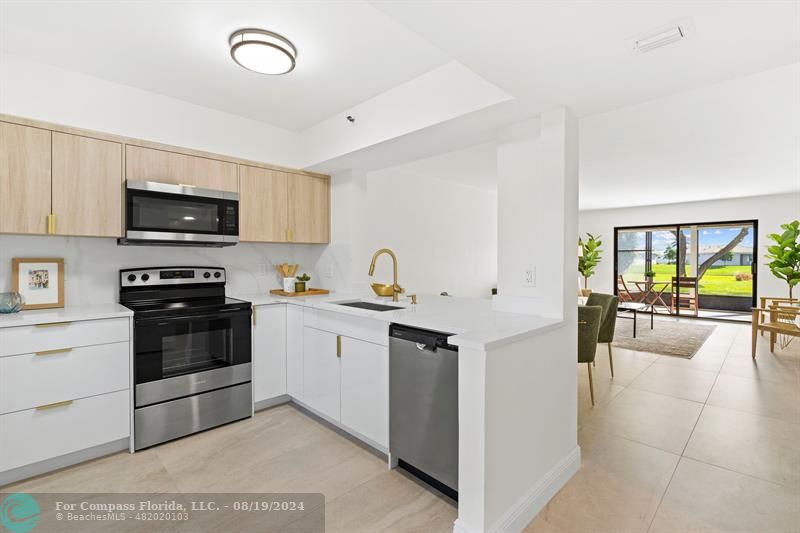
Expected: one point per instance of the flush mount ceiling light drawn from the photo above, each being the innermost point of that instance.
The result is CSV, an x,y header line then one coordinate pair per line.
x,y
657,40
262,51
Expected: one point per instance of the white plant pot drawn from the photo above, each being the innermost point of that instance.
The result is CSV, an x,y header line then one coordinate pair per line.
x,y
288,284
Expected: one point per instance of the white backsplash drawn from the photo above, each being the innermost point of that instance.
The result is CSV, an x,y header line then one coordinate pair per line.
x,y
91,265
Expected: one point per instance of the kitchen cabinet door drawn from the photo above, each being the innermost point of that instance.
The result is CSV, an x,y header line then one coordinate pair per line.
x,y
321,372
24,179
87,186
269,351
309,209
294,351
263,204
365,389
150,164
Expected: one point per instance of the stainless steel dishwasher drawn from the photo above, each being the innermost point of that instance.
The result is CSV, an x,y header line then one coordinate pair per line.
x,y
423,404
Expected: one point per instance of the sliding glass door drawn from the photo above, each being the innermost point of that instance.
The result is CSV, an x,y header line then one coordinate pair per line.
x,y
707,270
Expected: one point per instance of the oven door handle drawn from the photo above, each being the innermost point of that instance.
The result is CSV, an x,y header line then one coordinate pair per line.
x,y
225,313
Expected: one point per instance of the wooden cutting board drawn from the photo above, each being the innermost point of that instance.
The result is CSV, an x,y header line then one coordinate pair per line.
x,y
309,292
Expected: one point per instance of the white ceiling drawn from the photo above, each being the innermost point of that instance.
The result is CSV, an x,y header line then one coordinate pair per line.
x,y
347,51
578,53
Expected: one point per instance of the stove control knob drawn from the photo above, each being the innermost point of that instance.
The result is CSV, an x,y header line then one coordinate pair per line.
x,y
131,277
145,277
217,274
207,275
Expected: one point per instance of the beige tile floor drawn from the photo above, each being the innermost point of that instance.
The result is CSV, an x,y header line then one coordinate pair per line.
x,y
707,444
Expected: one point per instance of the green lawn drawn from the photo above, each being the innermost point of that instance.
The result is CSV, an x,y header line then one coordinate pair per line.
x,y
717,280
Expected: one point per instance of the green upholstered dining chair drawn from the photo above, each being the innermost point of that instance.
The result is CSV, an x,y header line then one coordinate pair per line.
x,y
608,322
589,318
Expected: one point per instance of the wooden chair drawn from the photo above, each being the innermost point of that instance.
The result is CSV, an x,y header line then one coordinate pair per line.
x,y
589,317
685,301
778,319
769,301
625,295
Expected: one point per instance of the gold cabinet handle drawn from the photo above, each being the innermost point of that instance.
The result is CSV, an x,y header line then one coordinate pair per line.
x,y
52,324
53,352
338,345
254,316
54,405
51,224
289,235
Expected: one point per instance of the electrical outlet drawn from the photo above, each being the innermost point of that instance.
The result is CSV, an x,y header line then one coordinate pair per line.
x,y
530,277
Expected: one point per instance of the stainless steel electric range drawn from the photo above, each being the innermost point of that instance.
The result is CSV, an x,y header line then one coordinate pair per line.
x,y
192,352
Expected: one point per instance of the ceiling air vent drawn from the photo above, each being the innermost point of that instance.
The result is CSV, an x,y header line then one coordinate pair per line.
x,y
657,40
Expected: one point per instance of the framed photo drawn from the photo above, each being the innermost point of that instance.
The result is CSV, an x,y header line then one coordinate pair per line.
x,y
40,280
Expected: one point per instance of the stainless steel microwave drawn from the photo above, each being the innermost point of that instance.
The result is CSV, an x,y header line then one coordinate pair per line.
x,y
179,215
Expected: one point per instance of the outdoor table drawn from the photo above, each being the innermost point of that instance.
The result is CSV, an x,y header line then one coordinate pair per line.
x,y
650,289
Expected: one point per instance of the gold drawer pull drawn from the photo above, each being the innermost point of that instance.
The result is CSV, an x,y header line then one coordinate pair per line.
x,y
54,405
338,345
52,324
52,352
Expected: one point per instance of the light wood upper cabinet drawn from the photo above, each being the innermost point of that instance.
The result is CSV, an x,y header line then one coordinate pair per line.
x,y
149,164
87,186
263,205
24,179
309,209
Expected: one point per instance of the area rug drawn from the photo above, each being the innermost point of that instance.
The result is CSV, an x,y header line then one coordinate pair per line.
x,y
668,337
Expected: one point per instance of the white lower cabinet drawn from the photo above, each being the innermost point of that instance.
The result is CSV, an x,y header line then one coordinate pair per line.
x,y
34,435
42,378
269,351
321,372
294,351
365,389
64,388
347,380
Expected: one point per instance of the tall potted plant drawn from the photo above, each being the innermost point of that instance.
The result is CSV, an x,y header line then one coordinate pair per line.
x,y
590,256
784,255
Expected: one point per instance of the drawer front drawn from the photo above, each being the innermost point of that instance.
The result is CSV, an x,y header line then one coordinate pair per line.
x,y
30,339
29,380
365,329
34,435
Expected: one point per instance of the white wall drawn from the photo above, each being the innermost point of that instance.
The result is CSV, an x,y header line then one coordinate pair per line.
x,y
444,233
34,90
770,211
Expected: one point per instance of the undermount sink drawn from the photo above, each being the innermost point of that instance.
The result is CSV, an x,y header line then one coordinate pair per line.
x,y
370,306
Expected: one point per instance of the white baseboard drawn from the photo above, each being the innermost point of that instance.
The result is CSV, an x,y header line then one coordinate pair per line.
x,y
521,513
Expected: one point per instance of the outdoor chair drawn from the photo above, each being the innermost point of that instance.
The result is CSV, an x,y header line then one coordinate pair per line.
x,y
684,295
625,295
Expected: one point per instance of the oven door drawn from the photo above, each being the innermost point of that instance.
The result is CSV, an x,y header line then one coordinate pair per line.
x,y
178,214
180,355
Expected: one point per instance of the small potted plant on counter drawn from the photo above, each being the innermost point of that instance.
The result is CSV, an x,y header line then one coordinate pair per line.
x,y
300,284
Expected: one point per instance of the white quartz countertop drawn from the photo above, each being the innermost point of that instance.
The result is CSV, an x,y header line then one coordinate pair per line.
x,y
68,313
472,322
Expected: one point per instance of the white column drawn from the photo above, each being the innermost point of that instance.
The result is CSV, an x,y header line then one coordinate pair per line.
x,y
537,216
